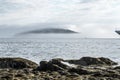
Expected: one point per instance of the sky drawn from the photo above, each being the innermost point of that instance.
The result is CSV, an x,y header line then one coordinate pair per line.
x,y
92,18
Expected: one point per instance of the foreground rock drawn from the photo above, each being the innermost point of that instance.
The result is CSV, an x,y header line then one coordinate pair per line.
x,y
16,63
86,68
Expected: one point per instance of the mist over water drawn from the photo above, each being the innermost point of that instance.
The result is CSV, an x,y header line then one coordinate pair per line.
x,y
83,32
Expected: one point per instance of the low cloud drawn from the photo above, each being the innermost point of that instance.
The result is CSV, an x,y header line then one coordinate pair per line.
x,y
94,18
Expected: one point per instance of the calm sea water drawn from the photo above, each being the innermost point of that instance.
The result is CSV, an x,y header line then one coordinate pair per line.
x,y
46,49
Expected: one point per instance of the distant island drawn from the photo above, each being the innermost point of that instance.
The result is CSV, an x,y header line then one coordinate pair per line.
x,y
50,30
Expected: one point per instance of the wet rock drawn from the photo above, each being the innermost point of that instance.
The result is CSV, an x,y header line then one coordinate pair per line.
x,y
59,63
93,78
7,76
64,72
43,66
59,69
86,61
107,61
20,75
118,67
53,65
46,66
79,71
16,63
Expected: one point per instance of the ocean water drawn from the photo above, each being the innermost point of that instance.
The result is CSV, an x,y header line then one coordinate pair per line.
x,y
38,49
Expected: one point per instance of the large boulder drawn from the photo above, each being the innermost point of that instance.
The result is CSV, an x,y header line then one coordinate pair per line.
x,y
53,65
86,61
16,63
60,64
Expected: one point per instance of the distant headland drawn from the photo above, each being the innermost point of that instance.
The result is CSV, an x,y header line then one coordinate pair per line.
x,y
50,30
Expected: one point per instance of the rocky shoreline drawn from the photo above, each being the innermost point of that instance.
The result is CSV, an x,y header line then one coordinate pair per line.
x,y
85,68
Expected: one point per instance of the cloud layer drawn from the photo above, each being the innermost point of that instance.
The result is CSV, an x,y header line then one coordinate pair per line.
x,y
88,16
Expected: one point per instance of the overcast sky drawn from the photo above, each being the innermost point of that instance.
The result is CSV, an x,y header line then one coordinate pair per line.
x,y
95,18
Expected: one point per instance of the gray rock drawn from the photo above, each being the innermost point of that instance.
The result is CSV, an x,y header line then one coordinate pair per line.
x,y
46,66
86,61
118,67
59,63
53,65
59,69
79,71
16,63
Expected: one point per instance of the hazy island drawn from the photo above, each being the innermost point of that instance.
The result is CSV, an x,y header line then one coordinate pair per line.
x,y
50,30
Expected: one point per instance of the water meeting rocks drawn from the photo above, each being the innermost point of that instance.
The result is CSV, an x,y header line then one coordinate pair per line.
x,y
87,61
53,65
